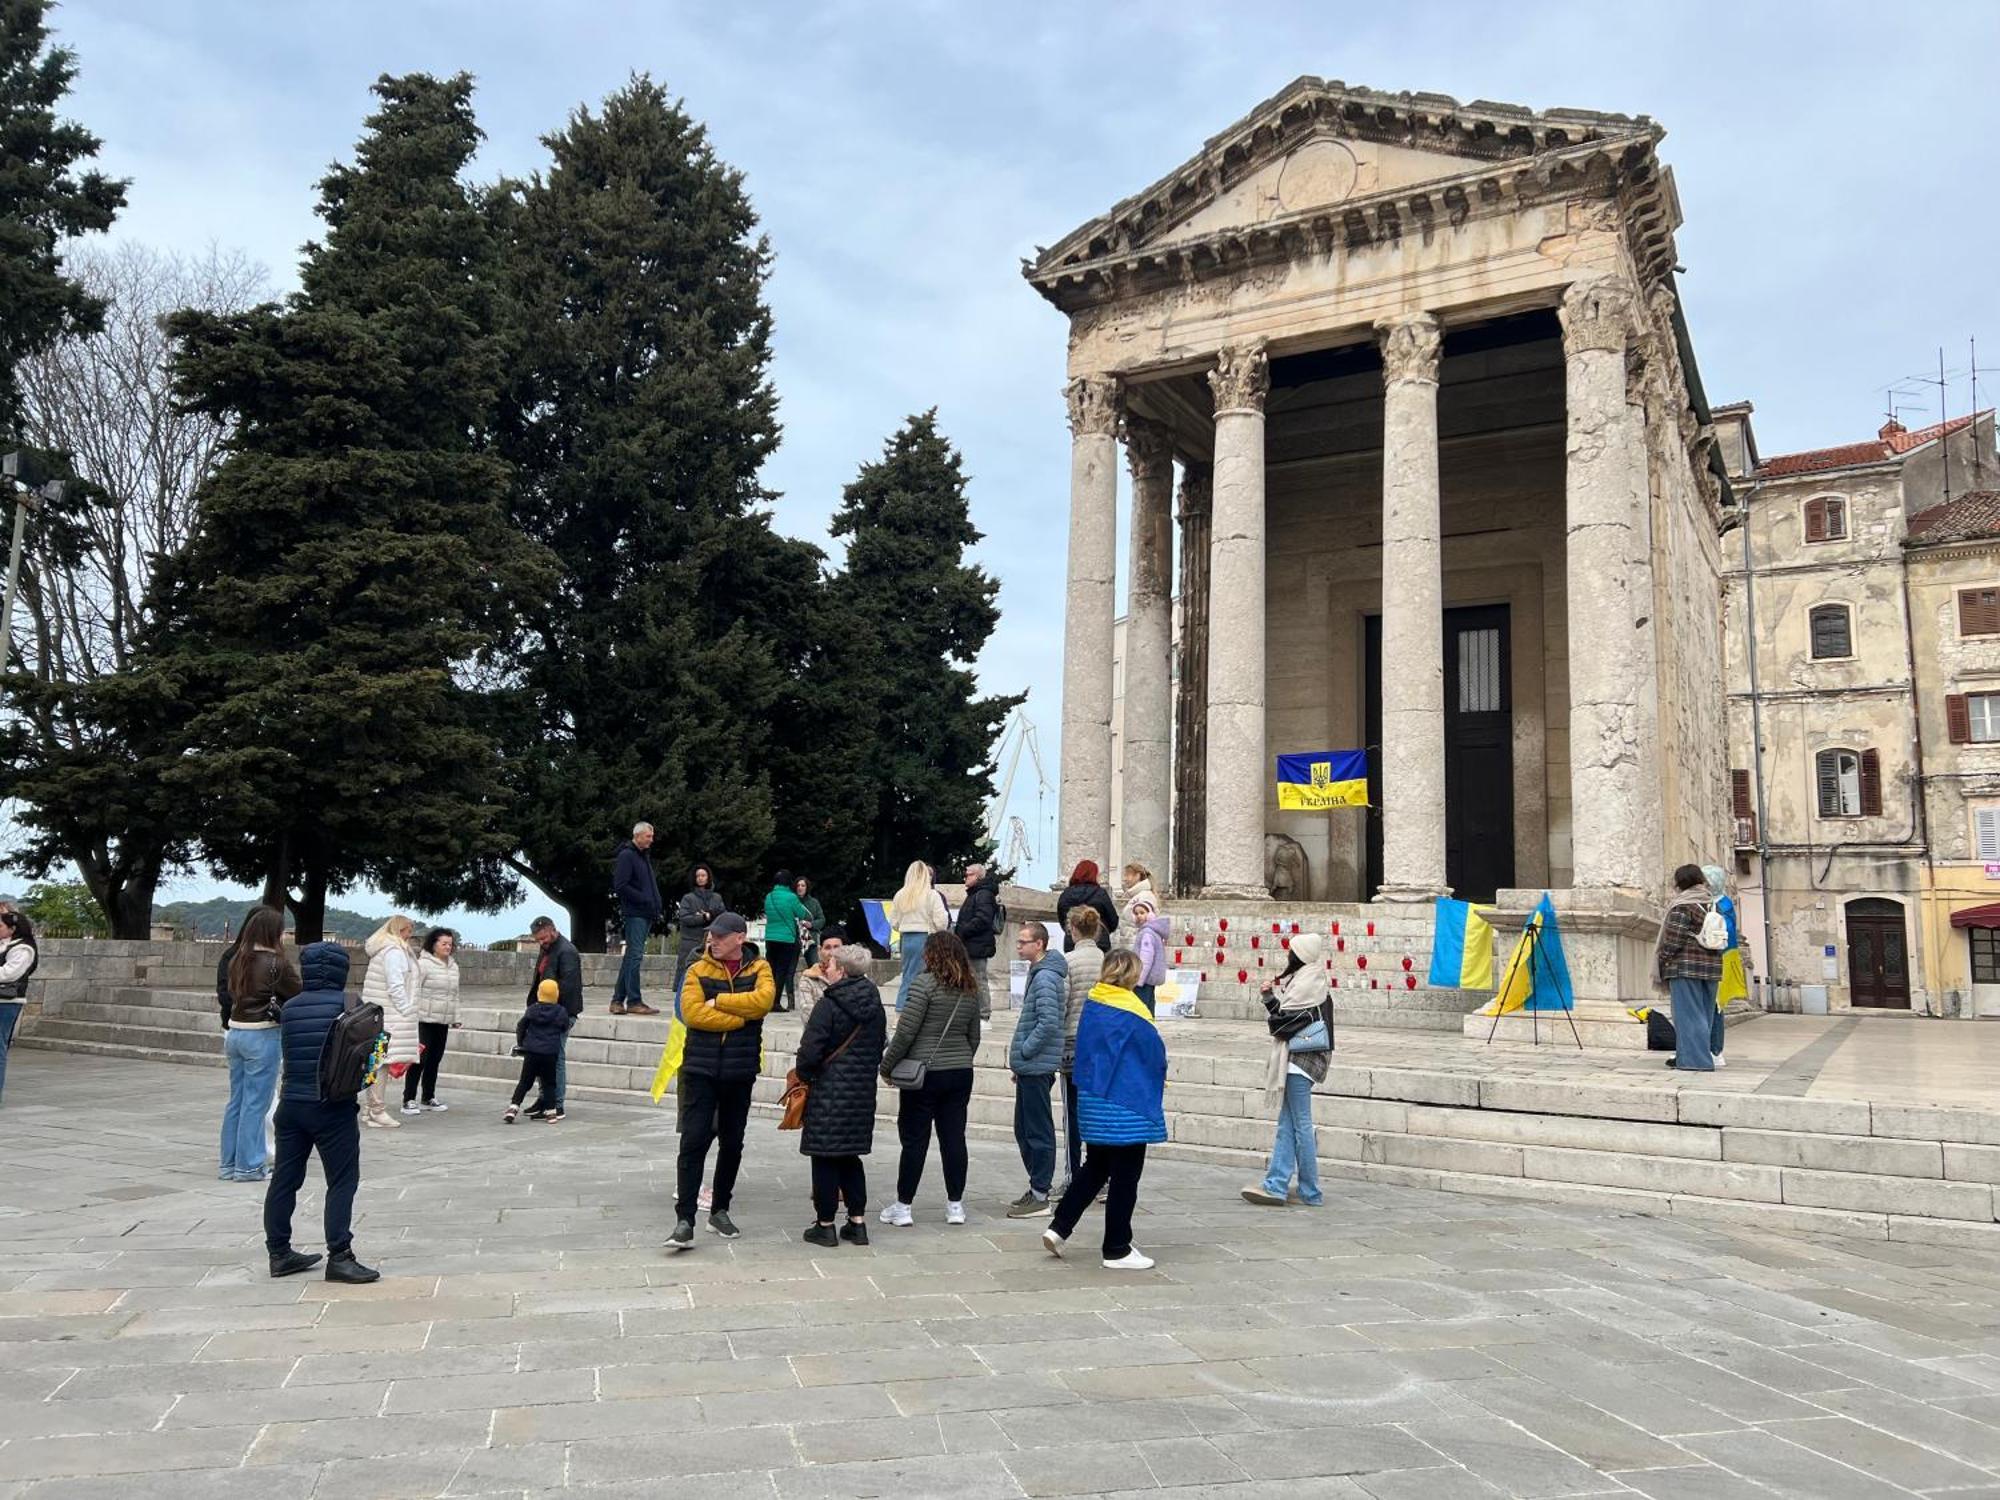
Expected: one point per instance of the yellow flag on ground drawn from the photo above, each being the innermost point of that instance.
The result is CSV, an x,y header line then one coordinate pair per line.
x,y
670,1058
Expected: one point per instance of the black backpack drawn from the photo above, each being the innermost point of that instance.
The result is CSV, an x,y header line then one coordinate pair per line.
x,y
352,1051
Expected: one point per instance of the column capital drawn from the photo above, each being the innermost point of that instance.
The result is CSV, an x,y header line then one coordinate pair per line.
x,y
1197,492
1597,313
1149,450
1094,402
1411,347
1241,378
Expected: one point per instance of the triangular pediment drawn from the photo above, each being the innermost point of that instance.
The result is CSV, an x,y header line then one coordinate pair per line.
x,y
1321,145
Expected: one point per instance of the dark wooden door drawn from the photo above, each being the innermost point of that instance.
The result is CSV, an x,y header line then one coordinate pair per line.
x,y
1878,955
1478,750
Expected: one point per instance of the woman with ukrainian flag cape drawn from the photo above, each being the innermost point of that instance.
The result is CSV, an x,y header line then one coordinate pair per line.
x,y
1735,981
1121,1082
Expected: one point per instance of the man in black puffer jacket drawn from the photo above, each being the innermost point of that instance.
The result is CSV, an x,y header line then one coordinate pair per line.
x,y
307,1123
978,927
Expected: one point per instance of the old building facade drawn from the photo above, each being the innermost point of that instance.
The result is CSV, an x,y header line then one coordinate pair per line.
x,y
1444,490
1863,629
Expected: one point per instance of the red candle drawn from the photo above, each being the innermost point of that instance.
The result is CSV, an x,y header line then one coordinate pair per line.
x,y
1408,964
1371,929
1242,976
1410,981
1336,927
1340,944
1295,927
1255,941
1362,961
1223,924
1285,943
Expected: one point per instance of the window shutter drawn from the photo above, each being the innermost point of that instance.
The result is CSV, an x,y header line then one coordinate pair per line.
x,y
1835,525
1957,719
1739,793
1827,773
1871,784
1986,833
1815,520
1979,612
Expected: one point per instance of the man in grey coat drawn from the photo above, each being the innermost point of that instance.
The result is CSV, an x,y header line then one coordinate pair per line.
x,y
1034,1056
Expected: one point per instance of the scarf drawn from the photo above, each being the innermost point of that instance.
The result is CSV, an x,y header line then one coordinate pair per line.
x,y
1304,988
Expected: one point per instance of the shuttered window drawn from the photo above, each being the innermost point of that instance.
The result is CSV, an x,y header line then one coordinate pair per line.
x,y
1849,782
1832,632
1985,955
1739,794
1826,518
1979,611
1986,833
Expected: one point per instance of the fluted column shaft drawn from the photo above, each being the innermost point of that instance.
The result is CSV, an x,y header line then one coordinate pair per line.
x,y
1237,770
1191,703
1412,753
1613,671
1084,806
1148,696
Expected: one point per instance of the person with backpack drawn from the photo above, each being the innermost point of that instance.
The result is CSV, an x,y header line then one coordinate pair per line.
x,y
331,1049
1688,965
18,957
980,921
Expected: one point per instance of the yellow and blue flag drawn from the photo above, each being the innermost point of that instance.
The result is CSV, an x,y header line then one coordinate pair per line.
x,y
877,913
1461,947
1537,976
1323,779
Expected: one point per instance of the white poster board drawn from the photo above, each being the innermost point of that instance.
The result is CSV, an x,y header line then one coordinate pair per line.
x,y
1175,999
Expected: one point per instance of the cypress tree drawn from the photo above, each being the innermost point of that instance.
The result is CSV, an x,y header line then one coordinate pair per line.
x,y
353,573
638,417
910,619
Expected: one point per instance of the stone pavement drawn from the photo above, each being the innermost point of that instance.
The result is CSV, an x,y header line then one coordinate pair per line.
x,y
530,1338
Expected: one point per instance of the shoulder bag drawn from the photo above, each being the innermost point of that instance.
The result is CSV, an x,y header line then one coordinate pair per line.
x,y
911,1072
792,1103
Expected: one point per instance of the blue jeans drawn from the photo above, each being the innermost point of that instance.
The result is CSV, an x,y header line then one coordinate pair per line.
x,y
1296,1149
910,948
562,1067
1035,1129
253,1079
10,1012
1694,1023
626,990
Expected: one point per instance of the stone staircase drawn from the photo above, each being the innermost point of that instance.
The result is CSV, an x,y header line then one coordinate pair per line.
x,y
1483,1123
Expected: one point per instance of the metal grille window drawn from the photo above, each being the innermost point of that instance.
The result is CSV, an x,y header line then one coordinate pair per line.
x,y
1478,671
1832,632
1985,955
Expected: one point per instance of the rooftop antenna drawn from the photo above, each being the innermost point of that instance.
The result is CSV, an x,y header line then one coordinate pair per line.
x,y
1978,448
1944,420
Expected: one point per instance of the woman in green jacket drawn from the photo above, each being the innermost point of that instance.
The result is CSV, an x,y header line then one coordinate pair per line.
x,y
786,921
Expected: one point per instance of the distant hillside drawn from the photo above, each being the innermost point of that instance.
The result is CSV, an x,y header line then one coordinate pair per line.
x,y
222,914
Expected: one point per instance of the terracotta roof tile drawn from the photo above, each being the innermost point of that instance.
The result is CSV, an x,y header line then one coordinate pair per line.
x,y
1893,439
1965,519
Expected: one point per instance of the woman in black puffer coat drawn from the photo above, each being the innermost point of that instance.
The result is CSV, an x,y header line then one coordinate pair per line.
x,y
839,1055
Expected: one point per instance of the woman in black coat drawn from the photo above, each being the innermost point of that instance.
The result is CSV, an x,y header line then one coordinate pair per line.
x,y
1084,890
838,1056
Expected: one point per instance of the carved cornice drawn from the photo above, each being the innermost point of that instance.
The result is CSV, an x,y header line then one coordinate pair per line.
x,y
1149,450
1093,405
1410,348
1597,314
1197,493
1241,378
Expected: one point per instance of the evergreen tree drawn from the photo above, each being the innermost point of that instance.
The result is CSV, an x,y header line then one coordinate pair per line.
x,y
910,617
639,414
353,573
44,200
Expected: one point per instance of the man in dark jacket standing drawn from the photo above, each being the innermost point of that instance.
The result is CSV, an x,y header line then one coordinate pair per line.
x,y
978,927
724,999
559,961
639,907
307,1123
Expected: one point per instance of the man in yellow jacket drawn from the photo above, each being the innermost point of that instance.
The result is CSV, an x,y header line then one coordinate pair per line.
x,y
724,1000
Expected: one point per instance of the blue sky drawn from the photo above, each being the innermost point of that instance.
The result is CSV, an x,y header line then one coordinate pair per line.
x,y
1834,162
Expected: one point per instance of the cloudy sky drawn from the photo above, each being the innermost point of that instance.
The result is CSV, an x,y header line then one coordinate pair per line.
x,y
1834,162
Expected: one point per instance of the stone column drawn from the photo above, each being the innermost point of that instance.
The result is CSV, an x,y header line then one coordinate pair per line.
x,y
1191,703
1412,615
1238,772
1149,704
1613,673
1084,809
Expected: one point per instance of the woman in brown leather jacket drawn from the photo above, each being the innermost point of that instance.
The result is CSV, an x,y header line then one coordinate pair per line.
x,y
261,979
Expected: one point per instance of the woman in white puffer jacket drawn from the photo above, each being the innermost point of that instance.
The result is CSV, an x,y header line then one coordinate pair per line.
x,y
391,985
435,984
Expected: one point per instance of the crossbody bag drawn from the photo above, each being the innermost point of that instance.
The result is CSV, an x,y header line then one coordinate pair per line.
x,y
911,1072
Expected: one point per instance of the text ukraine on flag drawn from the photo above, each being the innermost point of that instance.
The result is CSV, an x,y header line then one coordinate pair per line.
x,y
1317,781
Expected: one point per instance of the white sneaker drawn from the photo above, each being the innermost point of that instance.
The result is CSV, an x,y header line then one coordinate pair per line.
x,y
1720,1062
1053,1242
954,1213
898,1214
705,1199
413,1108
1131,1260
437,1104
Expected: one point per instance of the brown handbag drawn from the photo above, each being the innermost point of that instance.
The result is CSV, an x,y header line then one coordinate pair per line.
x,y
792,1103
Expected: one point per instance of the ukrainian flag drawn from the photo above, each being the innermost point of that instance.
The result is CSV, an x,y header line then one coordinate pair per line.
x,y
1461,947
877,913
1315,782
1537,976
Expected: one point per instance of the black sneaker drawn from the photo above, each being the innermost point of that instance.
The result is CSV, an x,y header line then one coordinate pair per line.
x,y
342,1266
683,1236
720,1223
819,1234
854,1232
291,1262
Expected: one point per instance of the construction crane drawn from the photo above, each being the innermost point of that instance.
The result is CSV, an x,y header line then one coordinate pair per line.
x,y
1018,854
1016,735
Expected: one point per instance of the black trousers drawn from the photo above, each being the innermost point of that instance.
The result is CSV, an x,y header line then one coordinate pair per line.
x,y
838,1178
1072,1134
939,1105
714,1109
433,1035
1121,1166
334,1131
539,1068
784,959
